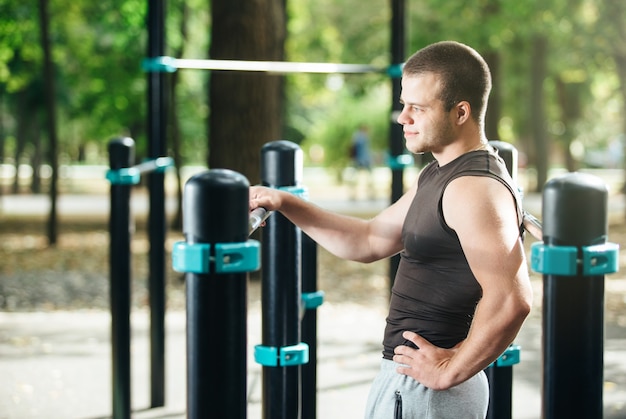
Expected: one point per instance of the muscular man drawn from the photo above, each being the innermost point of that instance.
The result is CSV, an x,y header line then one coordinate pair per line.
x,y
462,290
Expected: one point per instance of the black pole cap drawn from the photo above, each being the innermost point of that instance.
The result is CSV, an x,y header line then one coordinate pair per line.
x,y
216,207
121,153
508,153
574,208
281,164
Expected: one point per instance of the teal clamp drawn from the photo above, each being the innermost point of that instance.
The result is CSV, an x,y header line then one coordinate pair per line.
x,y
132,175
596,259
125,176
299,191
511,356
312,300
399,162
159,65
286,356
395,71
163,163
228,257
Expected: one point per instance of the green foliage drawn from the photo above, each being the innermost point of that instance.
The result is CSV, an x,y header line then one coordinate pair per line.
x,y
98,48
338,124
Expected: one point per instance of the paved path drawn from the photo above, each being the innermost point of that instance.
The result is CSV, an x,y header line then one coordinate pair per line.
x,y
57,365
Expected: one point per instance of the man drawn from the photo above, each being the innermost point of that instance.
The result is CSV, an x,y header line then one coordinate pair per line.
x,y
462,291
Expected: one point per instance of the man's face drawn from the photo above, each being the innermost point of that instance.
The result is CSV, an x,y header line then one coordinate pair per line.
x,y
426,125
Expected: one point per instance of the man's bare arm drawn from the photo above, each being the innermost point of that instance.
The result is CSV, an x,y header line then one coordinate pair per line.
x,y
482,212
346,237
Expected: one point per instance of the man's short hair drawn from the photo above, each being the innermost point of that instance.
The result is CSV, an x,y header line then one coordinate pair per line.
x,y
463,73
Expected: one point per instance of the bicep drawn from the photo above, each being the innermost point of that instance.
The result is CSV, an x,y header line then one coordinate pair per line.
x,y
483,213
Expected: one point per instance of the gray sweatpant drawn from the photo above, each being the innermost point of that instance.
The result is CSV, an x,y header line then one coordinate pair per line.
x,y
395,396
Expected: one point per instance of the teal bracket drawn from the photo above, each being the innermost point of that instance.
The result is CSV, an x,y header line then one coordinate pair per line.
x,y
596,259
312,300
286,356
395,71
125,176
159,65
228,257
400,162
299,191
132,175
162,163
511,356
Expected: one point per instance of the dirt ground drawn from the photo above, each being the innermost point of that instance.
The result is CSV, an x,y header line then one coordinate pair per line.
x,y
74,274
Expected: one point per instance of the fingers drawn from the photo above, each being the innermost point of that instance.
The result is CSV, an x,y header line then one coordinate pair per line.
x,y
261,197
415,338
404,354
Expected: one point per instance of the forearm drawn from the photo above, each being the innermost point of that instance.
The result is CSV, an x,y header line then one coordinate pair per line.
x,y
494,327
347,237
341,235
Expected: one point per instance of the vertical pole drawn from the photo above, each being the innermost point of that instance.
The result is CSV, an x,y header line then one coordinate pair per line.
x,y
396,136
215,210
309,329
501,377
157,123
281,166
121,155
508,153
574,215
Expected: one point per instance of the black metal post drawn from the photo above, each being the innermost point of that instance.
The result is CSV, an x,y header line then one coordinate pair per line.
x,y
215,211
121,155
281,166
574,216
156,129
508,153
396,136
309,328
500,377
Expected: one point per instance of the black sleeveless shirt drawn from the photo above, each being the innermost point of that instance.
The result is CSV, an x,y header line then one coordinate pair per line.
x,y
435,293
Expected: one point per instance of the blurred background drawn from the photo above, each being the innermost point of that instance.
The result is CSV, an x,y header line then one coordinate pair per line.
x,y
71,79
559,69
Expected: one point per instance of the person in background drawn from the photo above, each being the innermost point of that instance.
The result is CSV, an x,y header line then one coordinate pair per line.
x,y
361,161
461,291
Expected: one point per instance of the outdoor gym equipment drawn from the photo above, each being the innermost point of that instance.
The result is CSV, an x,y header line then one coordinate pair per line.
x,y
573,258
215,256
282,352
170,65
500,373
122,176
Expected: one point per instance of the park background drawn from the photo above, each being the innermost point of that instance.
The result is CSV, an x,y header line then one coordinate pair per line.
x,y
559,96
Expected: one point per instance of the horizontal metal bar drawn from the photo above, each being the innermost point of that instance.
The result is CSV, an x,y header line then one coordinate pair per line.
x,y
171,64
257,218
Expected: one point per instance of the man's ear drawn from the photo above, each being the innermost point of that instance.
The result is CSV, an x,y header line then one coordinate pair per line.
x,y
463,112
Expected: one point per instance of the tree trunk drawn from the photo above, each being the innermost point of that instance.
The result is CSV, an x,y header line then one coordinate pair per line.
x,y
246,108
568,97
174,125
21,135
495,103
36,159
491,10
538,115
49,93
616,16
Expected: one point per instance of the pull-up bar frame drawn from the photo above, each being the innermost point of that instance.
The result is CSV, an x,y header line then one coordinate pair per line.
x,y
171,65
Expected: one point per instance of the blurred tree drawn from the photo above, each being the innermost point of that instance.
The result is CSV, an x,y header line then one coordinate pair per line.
x,y
175,133
51,115
246,108
613,12
98,48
